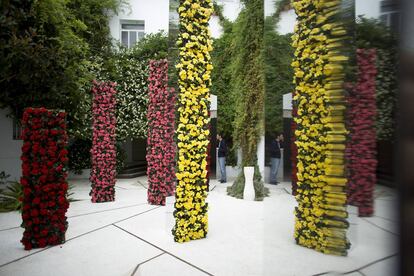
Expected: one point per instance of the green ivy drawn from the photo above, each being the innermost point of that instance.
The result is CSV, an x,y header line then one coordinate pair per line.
x,y
278,72
248,91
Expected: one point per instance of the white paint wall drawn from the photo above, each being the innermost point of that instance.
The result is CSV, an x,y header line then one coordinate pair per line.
x,y
231,9
10,149
269,7
368,8
155,14
287,22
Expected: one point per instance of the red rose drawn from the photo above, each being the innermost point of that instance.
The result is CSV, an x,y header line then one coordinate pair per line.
x,y
42,243
27,246
23,181
34,213
27,192
36,200
44,232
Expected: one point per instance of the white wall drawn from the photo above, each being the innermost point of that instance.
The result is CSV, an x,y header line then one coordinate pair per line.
x,y
287,22
368,8
231,9
287,101
10,149
155,13
269,7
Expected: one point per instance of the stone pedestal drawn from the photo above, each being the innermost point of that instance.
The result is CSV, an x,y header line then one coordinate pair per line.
x,y
248,193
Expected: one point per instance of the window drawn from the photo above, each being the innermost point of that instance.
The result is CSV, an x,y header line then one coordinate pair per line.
x,y
131,32
390,15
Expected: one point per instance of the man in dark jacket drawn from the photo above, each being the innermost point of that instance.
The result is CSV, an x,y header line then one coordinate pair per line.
x,y
222,151
275,156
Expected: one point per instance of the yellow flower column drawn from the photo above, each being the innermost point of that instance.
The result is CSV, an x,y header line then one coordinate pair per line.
x,y
192,132
321,215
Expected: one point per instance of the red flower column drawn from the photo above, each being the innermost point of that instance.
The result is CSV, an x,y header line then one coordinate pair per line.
x,y
160,143
361,150
103,151
44,173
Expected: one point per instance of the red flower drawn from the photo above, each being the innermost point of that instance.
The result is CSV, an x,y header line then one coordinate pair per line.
x,y
34,213
40,183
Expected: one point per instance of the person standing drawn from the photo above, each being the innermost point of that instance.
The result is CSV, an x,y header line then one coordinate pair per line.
x,y
222,151
275,155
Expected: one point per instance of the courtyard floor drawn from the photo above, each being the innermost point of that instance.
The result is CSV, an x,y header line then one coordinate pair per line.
x,y
130,237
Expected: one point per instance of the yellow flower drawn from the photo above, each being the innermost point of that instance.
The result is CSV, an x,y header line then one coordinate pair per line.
x,y
194,81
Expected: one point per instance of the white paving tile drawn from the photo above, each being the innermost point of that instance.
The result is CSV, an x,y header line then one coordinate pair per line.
x,y
77,226
11,247
245,238
10,220
383,223
232,246
166,265
386,267
108,251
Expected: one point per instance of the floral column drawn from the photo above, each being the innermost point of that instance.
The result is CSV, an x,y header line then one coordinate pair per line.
x,y
44,173
193,120
160,146
321,215
362,162
103,151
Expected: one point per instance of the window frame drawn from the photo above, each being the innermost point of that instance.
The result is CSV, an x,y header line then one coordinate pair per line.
x,y
138,29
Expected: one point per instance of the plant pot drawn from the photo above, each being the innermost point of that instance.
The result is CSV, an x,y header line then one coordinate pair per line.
x,y
248,193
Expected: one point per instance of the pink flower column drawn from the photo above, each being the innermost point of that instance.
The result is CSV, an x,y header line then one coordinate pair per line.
x,y
160,143
103,151
361,150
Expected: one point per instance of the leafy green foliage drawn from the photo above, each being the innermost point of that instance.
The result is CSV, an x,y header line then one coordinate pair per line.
x,y
40,55
279,74
237,189
222,57
131,97
151,46
248,77
371,33
386,93
10,196
278,55
81,117
241,85
80,157
95,15
45,54
129,69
